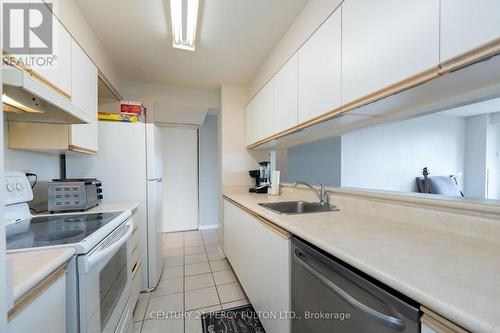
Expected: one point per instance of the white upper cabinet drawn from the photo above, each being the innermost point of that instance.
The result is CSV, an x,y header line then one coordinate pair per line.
x,y
319,79
58,76
385,42
260,115
285,96
466,24
84,81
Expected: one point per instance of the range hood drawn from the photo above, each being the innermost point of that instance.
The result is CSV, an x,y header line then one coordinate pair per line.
x,y
27,99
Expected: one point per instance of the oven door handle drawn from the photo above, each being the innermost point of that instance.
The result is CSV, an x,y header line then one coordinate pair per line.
x,y
386,320
96,257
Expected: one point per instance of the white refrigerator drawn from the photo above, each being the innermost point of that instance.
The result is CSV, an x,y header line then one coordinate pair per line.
x,y
129,165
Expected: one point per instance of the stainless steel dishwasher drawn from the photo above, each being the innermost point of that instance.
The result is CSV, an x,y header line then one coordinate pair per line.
x,y
328,296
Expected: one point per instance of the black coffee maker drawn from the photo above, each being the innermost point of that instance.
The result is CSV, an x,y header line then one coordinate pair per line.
x,y
262,178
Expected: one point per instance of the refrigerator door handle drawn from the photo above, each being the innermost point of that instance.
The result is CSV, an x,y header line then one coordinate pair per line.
x,y
156,180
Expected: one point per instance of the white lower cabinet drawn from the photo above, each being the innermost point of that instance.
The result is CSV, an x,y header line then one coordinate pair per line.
x,y
45,314
260,258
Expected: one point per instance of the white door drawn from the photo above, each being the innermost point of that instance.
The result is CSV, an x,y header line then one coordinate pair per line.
x,y
180,178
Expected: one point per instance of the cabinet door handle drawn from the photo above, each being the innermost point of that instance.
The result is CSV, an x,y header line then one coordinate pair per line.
x,y
389,321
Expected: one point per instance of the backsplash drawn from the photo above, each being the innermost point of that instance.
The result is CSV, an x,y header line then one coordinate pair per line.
x,y
44,165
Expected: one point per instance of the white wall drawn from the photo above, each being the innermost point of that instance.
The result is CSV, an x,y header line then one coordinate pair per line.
x,y
389,157
308,21
493,157
3,262
148,94
71,17
209,173
475,152
235,159
45,165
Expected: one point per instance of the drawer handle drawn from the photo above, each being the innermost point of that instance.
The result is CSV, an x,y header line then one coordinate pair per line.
x,y
136,268
135,249
382,318
134,229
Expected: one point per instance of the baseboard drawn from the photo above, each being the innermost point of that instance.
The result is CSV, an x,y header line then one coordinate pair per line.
x,y
208,226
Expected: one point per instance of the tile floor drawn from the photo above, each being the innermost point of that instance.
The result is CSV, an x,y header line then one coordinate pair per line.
x,y
196,279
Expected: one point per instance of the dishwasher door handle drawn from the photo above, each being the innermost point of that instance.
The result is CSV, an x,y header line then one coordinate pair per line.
x,y
389,321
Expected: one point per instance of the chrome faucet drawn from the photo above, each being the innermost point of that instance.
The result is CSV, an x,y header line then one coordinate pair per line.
x,y
322,194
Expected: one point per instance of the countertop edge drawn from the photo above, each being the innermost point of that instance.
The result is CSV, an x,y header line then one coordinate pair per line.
x,y
59,259
450,313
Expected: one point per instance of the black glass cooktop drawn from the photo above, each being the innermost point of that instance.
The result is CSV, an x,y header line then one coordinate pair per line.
x,y
54,229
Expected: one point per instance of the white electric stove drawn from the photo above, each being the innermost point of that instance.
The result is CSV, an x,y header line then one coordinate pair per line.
x,y
100,285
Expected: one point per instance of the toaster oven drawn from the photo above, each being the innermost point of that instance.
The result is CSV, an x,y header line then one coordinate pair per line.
x,y
73,194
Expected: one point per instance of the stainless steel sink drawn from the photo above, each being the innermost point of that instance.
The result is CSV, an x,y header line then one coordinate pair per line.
x,y
297,207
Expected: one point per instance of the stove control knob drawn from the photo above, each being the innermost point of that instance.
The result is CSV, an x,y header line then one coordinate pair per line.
x,y
9,187
19,187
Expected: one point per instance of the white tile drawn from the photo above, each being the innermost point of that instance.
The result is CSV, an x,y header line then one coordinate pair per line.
x,y
195,258
196,269
211,248
174,261
194,250
168,287
219,265
199,281
210,238
170,245
192,236
224,277
215,256
192,323
211,241
174,237
140,308
173,325
201,298
199,312
230,293
193,243
172,272
207,232
164,305
191,232
235,304
173,252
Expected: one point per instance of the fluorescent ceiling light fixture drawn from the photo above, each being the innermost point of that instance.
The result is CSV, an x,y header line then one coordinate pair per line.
x,y
184,15
12,105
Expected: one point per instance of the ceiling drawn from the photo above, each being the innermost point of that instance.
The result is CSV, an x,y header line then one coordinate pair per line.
x,y
233,38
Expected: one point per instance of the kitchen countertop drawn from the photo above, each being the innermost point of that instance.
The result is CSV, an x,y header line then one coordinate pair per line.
x,y
114,207
455,275
31,267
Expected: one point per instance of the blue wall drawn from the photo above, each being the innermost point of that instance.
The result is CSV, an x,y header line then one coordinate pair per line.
x,y
316,162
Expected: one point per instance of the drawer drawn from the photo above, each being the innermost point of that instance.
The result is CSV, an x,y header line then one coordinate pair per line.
x,y
136,282
133,242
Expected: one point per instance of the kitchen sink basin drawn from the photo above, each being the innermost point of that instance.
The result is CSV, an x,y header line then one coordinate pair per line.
x,y
297,207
